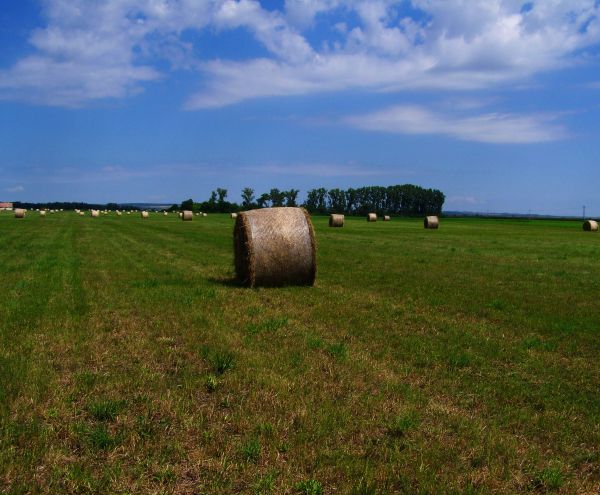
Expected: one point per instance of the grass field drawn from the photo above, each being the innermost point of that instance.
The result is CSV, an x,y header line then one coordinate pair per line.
x,y
464,360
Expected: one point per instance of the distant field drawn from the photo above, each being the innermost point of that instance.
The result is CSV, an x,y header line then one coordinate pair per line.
x,y
464,360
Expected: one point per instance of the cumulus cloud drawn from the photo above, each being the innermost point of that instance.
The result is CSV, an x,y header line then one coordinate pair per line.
x,y
89,51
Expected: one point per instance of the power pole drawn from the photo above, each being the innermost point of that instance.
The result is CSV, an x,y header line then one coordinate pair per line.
x,y
583,212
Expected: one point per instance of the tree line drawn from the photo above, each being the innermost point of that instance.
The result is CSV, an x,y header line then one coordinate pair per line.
x,y
405,200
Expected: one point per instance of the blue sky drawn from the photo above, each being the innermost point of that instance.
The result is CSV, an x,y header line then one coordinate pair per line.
x,y
495,102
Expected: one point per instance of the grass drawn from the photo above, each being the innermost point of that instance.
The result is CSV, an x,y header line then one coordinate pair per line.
x,y
463,360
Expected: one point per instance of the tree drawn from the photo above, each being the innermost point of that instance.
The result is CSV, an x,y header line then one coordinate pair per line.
x,y
290,197
263,200
277,197
222,193
188,204
247,197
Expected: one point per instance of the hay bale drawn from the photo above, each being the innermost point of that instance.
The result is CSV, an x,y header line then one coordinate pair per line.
x,y
144,214
233,215
95,213
187,215
431,222
204,214
386,218
42,213
372,217
274,247
19,213
336,220
590,226
119,213
166,213
81,213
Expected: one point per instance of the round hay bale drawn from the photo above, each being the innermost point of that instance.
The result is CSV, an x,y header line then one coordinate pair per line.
x,y
119,213
233,215
590,226
81,213
431,222
372,217
166,213
129,213
95,213
386,218
42,213
336,220
19,213
204,214
144,214
275,247
187,215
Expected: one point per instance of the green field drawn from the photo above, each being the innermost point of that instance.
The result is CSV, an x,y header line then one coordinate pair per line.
x,y
464,360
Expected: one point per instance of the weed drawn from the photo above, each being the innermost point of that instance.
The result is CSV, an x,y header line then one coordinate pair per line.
x,y
222,361
550,478
105,410
338,351
211,383
309,487
265,484
402,424
250,450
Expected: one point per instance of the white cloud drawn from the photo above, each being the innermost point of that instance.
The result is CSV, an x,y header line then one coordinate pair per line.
x,y
95,50
484,128
15,189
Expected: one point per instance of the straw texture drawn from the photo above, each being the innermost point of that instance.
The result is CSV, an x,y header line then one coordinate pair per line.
x,y
590,226
336,220
275,247
431,222
386,218
187,215
19,213
372,217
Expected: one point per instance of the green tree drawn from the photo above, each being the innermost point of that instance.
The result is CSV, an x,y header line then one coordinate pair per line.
x,y
188,204
247,197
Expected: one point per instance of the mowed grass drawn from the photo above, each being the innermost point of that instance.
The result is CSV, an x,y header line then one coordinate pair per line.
x,y
464,360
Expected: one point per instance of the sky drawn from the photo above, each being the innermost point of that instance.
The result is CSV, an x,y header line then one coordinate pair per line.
x,y
494,102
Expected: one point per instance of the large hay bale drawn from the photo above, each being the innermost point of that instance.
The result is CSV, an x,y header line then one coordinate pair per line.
x,y
590,226
95,213
274,247
233,215
82,213
144,214
187,215
431,222
386,218
19,213
166,213
42,213
204,214
372,217
336,220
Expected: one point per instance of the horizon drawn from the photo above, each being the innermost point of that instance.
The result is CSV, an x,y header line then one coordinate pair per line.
x,y
496,103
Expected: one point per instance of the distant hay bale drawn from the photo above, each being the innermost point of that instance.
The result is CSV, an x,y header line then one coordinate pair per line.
x,y
180,215
372,217
336,220
19,213
187,215
166,213
275,247
590,226
144,214
204,214
95,213
42,213
386,218
233,215
129,213
431,222
119,213
81,213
